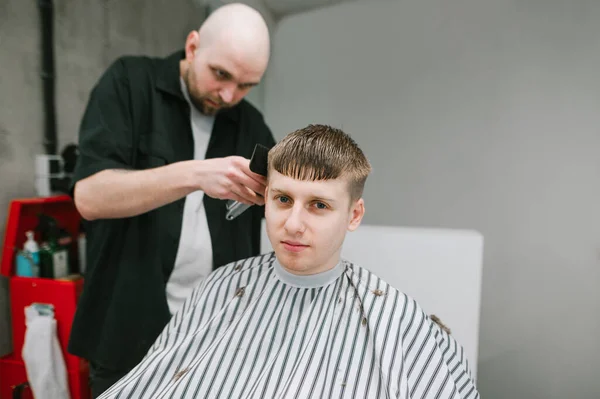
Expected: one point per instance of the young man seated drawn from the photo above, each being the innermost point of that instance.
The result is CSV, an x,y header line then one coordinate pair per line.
x,y
301,322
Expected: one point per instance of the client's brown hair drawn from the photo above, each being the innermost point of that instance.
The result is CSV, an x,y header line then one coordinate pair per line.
x,y
321,152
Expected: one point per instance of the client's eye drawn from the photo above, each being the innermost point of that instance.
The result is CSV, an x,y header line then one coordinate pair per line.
x,y
321,205
283,199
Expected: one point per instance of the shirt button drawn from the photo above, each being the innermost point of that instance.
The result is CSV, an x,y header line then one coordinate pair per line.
x,y
240,291
238,268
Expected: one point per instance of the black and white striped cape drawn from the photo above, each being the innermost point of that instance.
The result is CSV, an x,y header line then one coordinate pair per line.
x,y
246,334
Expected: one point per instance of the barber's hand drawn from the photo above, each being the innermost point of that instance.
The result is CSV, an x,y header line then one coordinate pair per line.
x,y
231,178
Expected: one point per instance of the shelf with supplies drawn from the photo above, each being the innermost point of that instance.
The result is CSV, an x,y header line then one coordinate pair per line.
x,y
52,275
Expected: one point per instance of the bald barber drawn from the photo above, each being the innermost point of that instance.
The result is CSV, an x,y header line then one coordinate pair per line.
x,y
163,143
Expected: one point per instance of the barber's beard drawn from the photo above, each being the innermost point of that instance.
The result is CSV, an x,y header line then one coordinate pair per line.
x,y
206,104
205,107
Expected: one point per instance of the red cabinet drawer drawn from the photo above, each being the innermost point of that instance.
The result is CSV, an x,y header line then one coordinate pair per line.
x,y
12,373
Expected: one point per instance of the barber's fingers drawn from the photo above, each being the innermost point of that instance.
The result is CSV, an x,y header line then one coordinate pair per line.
x,y
257,186
251,180
246,177
247,196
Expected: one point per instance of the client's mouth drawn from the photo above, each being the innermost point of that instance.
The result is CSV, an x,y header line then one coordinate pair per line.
x,y
294,246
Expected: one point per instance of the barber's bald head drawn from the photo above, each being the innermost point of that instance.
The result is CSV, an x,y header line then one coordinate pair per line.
x,y
240,27
226,57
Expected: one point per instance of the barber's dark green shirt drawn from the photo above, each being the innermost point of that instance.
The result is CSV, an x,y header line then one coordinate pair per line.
x,y
138,118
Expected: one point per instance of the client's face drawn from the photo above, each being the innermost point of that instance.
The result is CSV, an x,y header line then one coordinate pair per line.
x,y
307,221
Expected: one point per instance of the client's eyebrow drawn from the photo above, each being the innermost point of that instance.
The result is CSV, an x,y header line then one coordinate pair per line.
x,y
278,191
313,197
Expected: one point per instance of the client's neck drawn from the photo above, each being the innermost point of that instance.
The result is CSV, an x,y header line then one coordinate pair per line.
x,y
320,278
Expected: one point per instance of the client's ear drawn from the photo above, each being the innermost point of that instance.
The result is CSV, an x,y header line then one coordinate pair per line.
x,y
357,211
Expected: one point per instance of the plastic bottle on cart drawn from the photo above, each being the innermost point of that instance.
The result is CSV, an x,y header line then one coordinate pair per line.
x,y
28,260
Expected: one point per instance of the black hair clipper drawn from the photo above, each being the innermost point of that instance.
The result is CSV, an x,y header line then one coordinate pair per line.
x,y
258,165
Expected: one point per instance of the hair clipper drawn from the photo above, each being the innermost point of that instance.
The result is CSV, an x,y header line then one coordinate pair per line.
x,y
258,165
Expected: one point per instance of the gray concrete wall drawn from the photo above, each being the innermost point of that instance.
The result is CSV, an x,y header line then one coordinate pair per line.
x,y
89,35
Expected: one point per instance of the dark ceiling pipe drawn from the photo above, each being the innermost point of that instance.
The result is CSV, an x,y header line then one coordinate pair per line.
x,y
47,74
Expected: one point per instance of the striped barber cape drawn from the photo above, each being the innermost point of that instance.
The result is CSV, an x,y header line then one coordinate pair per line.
x,y
254,330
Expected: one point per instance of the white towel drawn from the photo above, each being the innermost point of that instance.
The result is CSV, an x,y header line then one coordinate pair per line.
x,y
44,362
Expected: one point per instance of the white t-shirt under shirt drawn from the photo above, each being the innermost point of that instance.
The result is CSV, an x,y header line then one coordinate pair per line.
x,y
194,255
